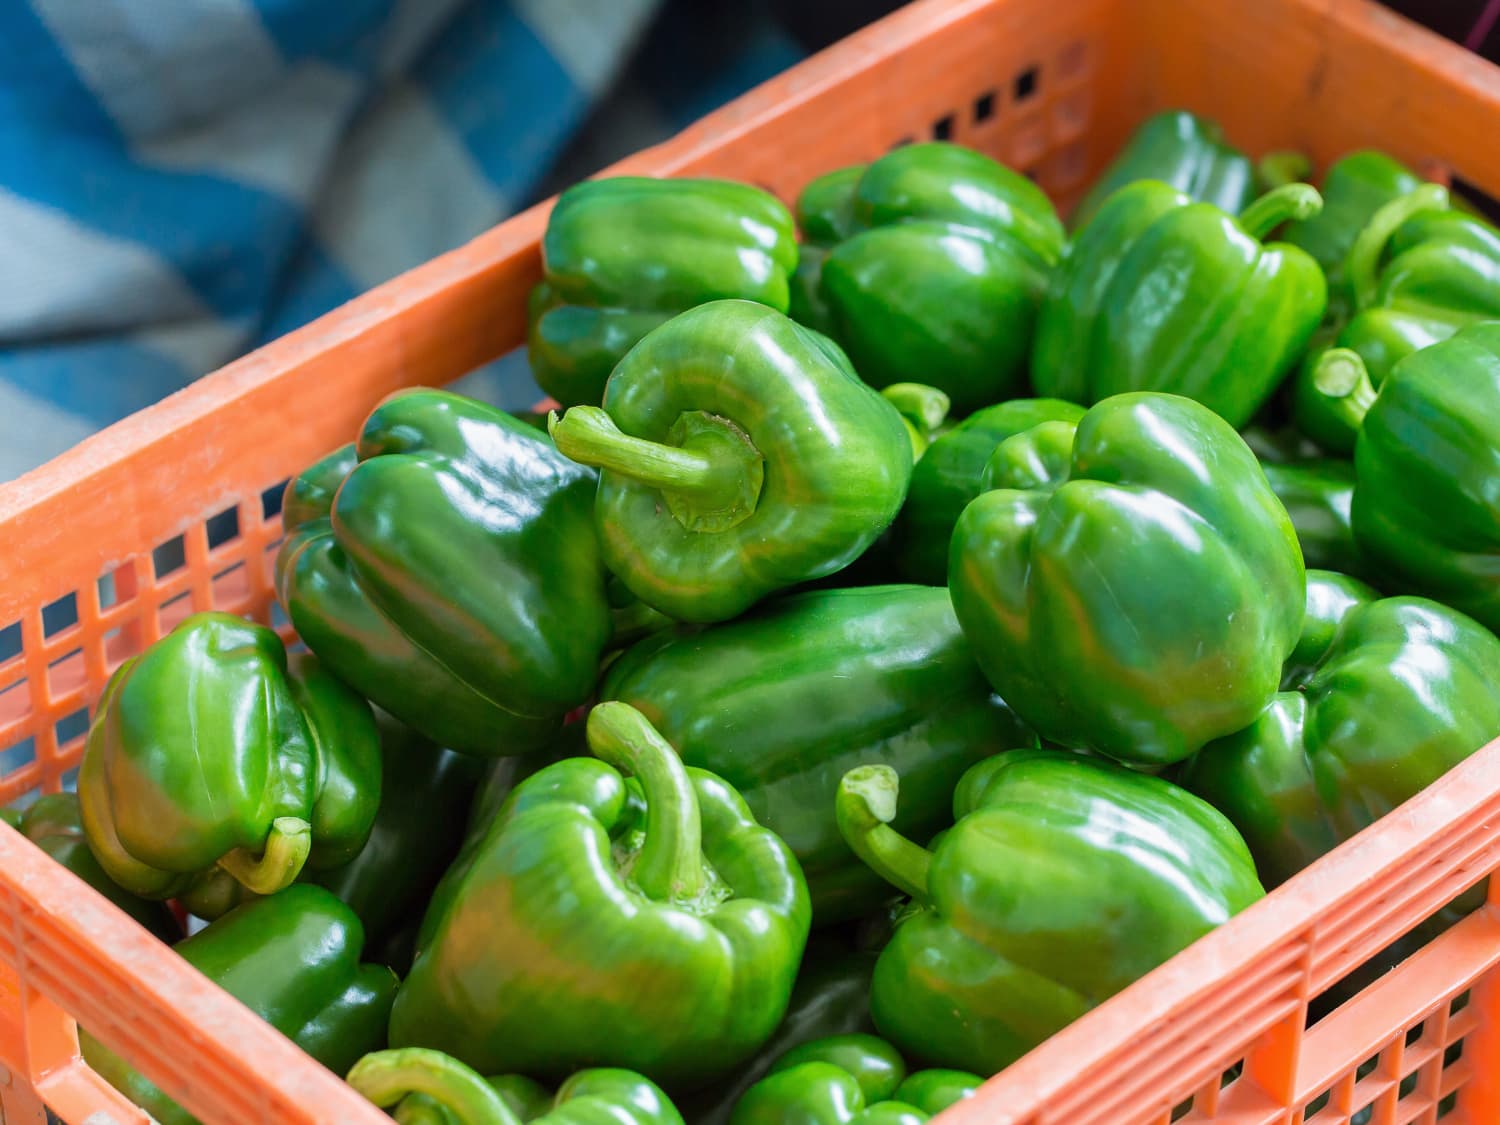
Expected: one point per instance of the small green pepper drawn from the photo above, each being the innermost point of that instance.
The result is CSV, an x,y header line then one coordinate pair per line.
x,y
740,455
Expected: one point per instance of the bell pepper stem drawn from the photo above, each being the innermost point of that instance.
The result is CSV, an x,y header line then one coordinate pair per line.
x,y
923,406
1340,377
279,864
1362,265
386,1078
713,475
1275,169
1280,205
864,807
669,866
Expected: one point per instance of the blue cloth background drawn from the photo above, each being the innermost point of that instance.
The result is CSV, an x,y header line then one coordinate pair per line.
x,y
183,180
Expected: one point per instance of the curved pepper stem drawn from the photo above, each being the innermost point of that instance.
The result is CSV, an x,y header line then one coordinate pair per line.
x,y
1276,169
923,406
669,867
1280,205
865,807
711,478
1361,266
276,868
1340,378
388,1077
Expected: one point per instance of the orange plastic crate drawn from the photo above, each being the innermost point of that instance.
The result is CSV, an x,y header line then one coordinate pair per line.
x,y
1049,87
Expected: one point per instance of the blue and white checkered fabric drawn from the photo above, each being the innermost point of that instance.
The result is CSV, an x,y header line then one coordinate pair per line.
x,y
181,180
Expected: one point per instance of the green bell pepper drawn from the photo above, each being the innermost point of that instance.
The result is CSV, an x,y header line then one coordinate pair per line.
x,y
852,1079
215,759
54,824
431,1088
447,569
1426,513
831,997
1183,150
582,931
1317,495
740,455
1381,697
425,797
294,960
948,476
1159,293
873,674
1418,273
979,236
1064,880
624,254
1133,585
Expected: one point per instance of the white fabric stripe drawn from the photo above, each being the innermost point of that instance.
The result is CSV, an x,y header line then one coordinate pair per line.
x,y
410,28
58,276
590,38
278,142
44,431
196,346
157,65
403,188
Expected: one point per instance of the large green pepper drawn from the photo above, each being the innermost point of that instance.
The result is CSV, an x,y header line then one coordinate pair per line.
x,y
583,931
294,960
1133,585
1181,149
1318,494
832,997
740,455
977,238
425,797
1381,697
1159,293
427,1087
851,1079
624,254
1426,511
214,758
448,570
1418,273
874,674
949,475
54,824
1064,880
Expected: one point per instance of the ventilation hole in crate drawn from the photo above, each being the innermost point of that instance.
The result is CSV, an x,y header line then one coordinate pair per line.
x,y
902,143
12,758
59,615
1483,201
69,780
1414,1033
1363,1116
10,642
172,612
942,128
223,527
1452,1053
169,558
15,703
1026,84
1182,1109
231,588
1317,1105
66,674
1072,60
1447,1105
1460,1002
279,619
984,106
270,500
108,588
72,726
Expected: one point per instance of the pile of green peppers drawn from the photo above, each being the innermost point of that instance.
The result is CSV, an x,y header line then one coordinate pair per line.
x,y
899,641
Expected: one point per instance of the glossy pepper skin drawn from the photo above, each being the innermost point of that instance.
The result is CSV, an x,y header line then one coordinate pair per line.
x,y
1183,150
949,475
674,932
740,454
1159,293
852,1079
873,674
447,569
1382,697
425,797
432,1088
294,960
215,759
1064,880
1059,579
54,824
1418,273
980,236
1425,512
1318,495
624,254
